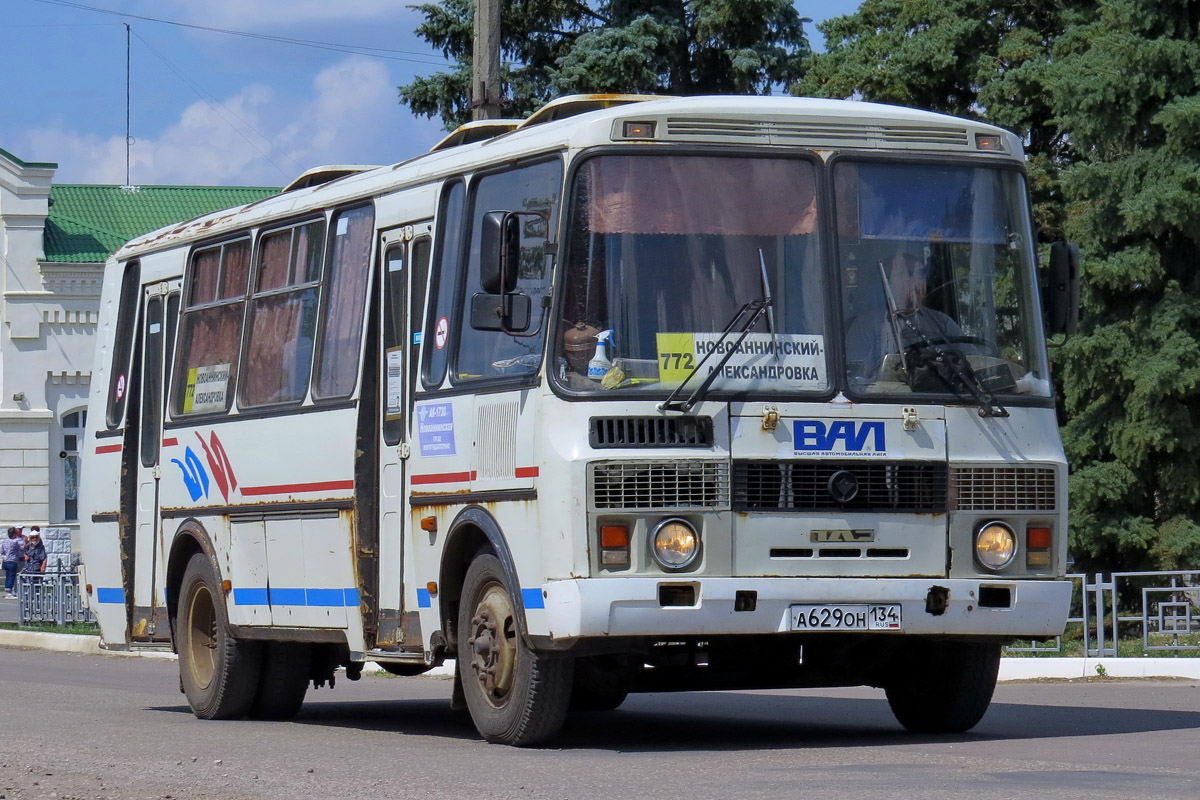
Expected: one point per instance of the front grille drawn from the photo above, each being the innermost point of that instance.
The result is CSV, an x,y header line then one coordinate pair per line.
x,y
907,486
637,432
685,483
1005,488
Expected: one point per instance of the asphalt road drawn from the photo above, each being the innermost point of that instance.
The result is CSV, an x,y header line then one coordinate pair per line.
x,y
89,727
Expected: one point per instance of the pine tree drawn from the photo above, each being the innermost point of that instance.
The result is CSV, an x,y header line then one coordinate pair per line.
x,y
556,47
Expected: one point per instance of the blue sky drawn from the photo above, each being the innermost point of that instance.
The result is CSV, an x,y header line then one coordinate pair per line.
x,y
212,108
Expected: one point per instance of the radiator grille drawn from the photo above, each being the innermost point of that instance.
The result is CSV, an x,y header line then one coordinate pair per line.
x,y
651,432
1003,489
815,133
660,484
906,486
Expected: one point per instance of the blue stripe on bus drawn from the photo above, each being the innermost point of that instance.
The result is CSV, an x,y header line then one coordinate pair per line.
x,y
423,599
350,597
250,597
286,597
109,595
533,598
325,597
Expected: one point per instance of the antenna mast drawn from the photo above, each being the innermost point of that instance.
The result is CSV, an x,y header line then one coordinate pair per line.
x,y
127,139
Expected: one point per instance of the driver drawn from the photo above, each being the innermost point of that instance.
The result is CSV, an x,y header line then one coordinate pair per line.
x,y
871,335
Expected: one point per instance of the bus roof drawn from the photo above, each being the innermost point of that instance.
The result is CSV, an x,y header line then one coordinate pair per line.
x,y
764,121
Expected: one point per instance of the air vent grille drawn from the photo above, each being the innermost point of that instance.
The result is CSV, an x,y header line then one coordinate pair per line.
x,y
815,133
1032,489
638,432
638,485
907,486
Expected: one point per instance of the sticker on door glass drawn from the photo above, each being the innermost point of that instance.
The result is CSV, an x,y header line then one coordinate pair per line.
x,y
395,383
761,361
435,429
206,389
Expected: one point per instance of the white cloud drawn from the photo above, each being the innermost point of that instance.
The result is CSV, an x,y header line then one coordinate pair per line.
x,y
277,15
255,137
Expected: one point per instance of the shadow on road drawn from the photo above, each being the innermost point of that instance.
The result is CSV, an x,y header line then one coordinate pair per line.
x,y
724,721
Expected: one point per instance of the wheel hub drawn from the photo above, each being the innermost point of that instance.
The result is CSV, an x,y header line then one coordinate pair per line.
x,y
493,644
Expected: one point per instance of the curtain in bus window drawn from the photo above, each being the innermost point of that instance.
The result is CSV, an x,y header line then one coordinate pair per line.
x,y
278,356
344,304
205,268
235,269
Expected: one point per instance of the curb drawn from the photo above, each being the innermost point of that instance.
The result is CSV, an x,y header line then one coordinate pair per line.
x,y
1011,669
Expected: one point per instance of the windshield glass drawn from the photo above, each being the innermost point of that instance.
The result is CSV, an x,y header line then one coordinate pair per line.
x,y
937,270
664,251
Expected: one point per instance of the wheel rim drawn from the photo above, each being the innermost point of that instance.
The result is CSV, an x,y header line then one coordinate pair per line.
x,y
493,644
202,638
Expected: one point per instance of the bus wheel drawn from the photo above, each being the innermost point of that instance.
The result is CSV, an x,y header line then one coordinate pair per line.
x,y
284,681
514,695
219,673
601,683
947,689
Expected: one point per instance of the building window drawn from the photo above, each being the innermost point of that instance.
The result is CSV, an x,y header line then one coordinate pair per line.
x,y
72,433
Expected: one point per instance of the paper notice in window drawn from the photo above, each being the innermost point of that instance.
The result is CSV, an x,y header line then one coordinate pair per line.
x,y
206,389
395,383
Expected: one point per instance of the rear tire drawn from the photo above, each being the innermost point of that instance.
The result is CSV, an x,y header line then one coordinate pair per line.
x,y
219,673
515,696
946,687
284,681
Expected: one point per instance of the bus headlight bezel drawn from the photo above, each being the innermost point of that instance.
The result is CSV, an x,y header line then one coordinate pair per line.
x,y
668,544
995,538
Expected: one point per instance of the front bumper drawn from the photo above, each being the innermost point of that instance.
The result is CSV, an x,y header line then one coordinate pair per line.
x,y
630,606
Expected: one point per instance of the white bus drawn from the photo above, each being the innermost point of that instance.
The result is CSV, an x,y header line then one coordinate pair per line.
x,y
653,395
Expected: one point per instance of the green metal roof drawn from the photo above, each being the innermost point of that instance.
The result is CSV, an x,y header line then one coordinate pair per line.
x,y
89,223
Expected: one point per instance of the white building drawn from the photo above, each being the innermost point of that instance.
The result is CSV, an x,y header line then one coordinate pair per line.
x,y
54,240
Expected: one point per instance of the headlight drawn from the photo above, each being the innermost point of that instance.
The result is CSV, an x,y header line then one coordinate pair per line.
x,y
995,545
676,544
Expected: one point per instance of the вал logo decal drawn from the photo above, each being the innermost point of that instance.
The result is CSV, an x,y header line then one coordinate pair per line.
x,y
842,437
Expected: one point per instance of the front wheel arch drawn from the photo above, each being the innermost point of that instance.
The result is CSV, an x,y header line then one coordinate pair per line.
x,y
190,538
472,531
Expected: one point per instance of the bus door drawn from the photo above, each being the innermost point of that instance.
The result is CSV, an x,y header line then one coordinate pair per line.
x,y
160,310
405,271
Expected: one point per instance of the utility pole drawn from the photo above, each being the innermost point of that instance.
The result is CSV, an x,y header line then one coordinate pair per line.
x,y
485,61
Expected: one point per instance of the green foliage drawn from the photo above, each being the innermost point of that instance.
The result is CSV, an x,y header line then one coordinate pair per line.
x,y
1127,89
552,47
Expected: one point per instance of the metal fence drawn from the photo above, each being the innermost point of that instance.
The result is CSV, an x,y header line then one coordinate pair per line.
x,y
50,597
1162,608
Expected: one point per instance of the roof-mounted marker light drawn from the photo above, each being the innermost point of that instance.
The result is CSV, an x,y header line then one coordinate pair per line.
x,y
988,142
638,130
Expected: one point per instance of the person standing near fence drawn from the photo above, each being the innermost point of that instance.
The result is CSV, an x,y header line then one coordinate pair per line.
x,y
35,551
12,553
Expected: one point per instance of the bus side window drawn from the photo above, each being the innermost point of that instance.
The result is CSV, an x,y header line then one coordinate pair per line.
x,y
344,303
533,191
123,336
420,253
436,337
283,316
210,333
394,306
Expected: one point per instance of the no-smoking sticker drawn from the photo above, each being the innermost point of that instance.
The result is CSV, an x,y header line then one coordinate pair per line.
x,y
441,333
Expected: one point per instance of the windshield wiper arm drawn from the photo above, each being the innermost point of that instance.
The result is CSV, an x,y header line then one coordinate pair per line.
x,y
751,313
951,359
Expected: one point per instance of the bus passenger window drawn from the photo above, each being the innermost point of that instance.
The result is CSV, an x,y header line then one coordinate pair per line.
x,y
283,316
344,303
210,333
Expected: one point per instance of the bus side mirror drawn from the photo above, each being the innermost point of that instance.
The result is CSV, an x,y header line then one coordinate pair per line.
x,y
1062,290
500,252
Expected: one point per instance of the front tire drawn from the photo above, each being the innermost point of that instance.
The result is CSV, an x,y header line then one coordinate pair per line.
x,y
515,696
219,673
946,687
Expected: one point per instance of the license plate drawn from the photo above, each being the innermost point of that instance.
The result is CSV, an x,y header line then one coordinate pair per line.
x,y
858,617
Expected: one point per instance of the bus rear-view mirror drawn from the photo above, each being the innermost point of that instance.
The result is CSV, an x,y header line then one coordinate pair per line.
x,y
1062,289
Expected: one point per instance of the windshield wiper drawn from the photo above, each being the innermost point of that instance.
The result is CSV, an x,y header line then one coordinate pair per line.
x,y
751,313
948,362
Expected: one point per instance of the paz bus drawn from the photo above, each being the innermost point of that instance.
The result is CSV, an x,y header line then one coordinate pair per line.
x,y
628,396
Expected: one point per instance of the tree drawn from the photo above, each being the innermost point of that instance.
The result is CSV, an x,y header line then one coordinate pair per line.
x,y
555,47
973,58
1127,88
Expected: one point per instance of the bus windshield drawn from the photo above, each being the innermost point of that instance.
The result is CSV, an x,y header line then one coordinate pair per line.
x,y
664,251
936,273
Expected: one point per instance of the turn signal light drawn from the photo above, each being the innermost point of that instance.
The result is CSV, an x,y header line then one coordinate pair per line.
x,y
987,142
1037,547
614,546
